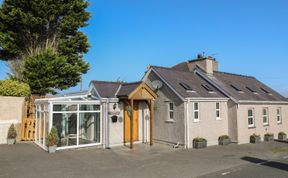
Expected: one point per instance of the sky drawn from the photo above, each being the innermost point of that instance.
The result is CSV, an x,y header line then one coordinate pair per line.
x,y
246,37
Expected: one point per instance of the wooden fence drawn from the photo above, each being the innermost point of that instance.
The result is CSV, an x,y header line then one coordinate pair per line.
x,y
28,129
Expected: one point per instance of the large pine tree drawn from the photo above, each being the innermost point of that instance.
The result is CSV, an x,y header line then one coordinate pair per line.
x,y
26,26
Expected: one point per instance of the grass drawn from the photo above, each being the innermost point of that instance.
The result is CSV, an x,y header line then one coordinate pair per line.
x,y
280,150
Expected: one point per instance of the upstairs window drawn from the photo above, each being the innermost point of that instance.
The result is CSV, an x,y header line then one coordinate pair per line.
x,y
187,87
237,88
266,91
279,116
196,112
208,88
252,90
218,111
265,116
251,118
171,111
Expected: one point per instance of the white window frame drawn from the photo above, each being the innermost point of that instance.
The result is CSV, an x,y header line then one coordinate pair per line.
x,y
196,111
279,115
251,117
218,110
267,116
171,110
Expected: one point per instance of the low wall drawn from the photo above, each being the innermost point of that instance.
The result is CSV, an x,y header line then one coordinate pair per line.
x,y
11,112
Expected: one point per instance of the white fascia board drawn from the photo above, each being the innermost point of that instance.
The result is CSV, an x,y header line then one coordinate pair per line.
x,y
96,91
208,99
76,102
261,102
148,73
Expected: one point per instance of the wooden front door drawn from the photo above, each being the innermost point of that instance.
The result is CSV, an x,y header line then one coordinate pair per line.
x,y
135,124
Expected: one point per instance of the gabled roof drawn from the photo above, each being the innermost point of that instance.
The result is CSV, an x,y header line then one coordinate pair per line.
x,y
127,88
106,89
251,88
175,77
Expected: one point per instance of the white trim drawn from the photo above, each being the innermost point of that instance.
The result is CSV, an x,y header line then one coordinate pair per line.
x,y
262,102
188,126
194,111
11,121
267,116
249,117
78,146
279,115
218,110
208,99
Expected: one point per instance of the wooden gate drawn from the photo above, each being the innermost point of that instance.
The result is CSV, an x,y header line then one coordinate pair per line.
x,y
28,129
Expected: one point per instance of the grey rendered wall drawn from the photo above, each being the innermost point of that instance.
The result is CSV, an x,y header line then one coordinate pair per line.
x,y
232,121
11,112
170,132
244,132
208,126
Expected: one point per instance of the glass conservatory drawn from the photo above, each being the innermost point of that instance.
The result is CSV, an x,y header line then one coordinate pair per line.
x,y
76,118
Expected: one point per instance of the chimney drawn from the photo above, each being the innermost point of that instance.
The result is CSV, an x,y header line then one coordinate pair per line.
x,y
208,64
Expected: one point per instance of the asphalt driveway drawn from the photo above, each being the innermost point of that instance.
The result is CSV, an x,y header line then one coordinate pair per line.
x,y
28,160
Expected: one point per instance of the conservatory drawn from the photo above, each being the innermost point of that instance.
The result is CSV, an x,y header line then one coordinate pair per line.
x,y
76,118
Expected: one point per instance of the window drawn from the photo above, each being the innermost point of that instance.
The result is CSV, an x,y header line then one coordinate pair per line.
x,y
266,91
196,111
265,116
171,111
186,87
207,87
251,118
252,89
218,111
237,88
279,116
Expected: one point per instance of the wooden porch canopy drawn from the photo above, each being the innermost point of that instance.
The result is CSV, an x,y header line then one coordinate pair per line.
x,y
139,91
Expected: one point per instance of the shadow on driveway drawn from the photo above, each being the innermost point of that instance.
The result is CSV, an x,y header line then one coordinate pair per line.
x,y
273,164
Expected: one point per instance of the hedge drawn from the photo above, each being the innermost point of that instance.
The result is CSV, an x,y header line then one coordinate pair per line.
x,y
14,88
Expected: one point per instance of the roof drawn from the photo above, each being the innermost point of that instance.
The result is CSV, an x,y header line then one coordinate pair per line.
x,y
106,89
127,88
246,88
176,77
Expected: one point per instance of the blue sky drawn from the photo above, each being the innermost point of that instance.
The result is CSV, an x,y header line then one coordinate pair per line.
x,y
246,37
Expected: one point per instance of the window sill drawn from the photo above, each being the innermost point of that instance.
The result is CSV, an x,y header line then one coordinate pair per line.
x,y
195,121
251,127
218,119
170,121
279,123
265,125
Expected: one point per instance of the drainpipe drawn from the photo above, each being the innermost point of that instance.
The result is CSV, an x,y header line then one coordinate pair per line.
x,y
188,124
107,124
185,126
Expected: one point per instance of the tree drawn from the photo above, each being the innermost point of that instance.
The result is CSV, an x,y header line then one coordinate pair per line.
x,y
27,25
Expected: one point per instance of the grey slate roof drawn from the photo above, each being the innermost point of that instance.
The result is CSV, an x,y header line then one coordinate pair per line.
x,y
106,89
225,80
175,77
127,88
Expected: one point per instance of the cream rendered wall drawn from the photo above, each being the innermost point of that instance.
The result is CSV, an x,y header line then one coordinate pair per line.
x,y
244,132
232,121
11,112
208,127
116,130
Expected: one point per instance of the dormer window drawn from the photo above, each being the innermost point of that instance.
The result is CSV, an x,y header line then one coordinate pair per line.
x,y
187,87
266,91
208,88
252,90
237,88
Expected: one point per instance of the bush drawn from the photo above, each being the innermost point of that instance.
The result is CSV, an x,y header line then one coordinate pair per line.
x,y
52,138
222,137
282,134
269,135
14,88
199,139
12,134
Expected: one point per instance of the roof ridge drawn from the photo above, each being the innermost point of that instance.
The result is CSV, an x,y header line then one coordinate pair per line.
x,y
131,83
240,75
172,69
114,82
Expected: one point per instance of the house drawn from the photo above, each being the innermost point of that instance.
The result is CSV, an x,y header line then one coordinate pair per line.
x,y
109,114
197,100
171,105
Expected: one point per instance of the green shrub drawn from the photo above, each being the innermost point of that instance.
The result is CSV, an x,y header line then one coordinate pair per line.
x,y
52,138
269,135
14,88
12,134
222,137
282,133
199,139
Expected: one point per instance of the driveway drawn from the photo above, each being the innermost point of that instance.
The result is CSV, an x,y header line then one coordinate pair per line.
x,y
28,160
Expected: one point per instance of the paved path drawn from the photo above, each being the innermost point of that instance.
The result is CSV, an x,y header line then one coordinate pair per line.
x,y
28,160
